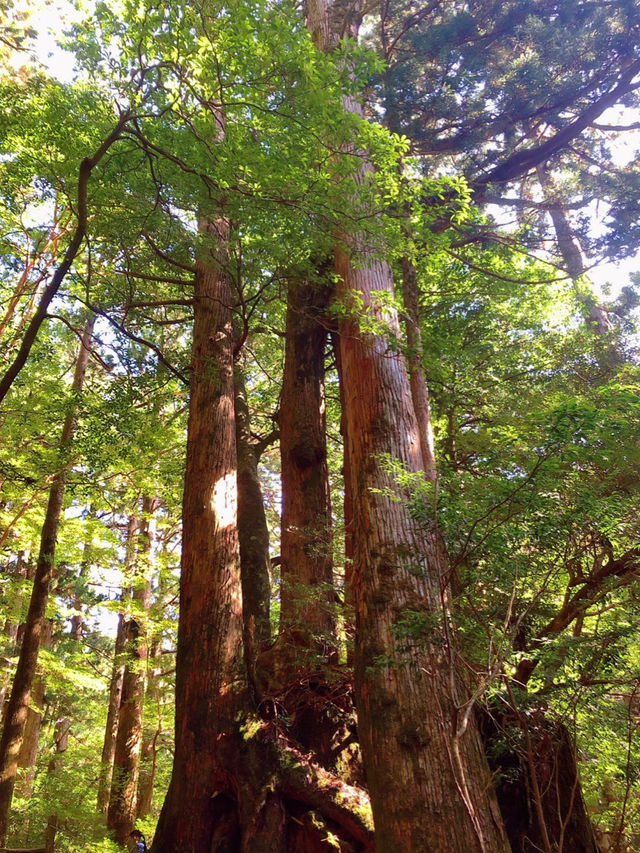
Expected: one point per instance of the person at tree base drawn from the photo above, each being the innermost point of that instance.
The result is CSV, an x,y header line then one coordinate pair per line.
x,y
138,840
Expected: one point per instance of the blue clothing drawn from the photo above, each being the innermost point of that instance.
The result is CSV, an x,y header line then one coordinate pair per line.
x,y
141,847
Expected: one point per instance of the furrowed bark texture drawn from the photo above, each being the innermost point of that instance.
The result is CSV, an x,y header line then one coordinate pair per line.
x,y
18,705
429,782
209,674
307,565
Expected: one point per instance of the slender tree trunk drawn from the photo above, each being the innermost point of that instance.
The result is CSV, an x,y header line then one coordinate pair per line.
x,y
349,625
571,252
307,600
11,628
115,685
28,757
17,710
113,711
417,378
122,810
429,783
253,532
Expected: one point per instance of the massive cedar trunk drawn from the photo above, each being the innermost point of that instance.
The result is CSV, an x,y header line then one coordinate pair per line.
x,y
210,679
115,685
237,786
253,532
428,779
307,596
122,809
17,709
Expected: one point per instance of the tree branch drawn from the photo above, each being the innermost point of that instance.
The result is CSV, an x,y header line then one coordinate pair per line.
x,y
84,173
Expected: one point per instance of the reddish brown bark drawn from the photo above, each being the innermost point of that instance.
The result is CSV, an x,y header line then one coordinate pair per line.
x,y
429,782
17,709
306,548
210,679
236,785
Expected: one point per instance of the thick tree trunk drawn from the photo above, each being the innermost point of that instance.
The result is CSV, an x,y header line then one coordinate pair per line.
x,y
307,598
237,786
17,710
253,532
429,782
210,678
115,686
122,810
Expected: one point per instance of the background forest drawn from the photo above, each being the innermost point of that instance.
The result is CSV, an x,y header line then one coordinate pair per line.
x,y
372,546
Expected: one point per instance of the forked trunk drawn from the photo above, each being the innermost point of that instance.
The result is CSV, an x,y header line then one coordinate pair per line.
x,y
210,678
237,786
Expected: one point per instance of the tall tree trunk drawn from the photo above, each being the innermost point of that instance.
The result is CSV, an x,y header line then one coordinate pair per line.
x,y
115,684
28,755
349,625
306,611
572,256
417,378
122,810
247,790
11,627
253,532
17,710
429,783
209,667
